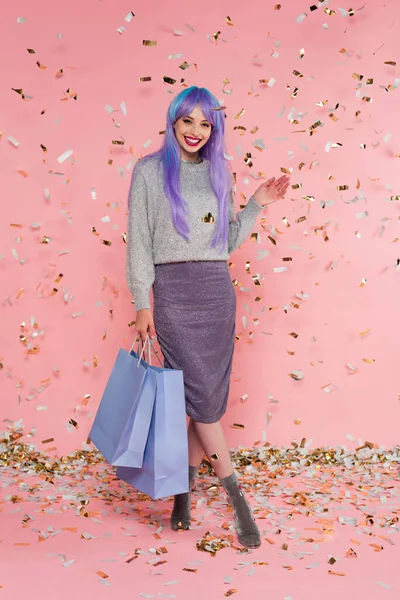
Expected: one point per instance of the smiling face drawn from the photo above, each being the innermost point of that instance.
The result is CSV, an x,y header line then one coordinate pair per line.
x,y
192,132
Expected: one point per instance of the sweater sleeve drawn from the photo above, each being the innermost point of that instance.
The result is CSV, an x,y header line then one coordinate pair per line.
x,y
240,228
140,272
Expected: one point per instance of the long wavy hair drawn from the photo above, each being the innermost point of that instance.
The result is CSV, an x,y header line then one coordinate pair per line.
x,y
214,151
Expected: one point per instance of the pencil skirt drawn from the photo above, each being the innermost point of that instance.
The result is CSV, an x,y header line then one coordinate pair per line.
x,y
194,318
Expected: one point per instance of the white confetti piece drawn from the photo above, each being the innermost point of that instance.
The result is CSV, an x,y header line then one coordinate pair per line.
x,y
64,156
297,375
172,582
13,141
123,108
148,596
69,563
129,17
385,585
77,314
105,219
301,17
280,269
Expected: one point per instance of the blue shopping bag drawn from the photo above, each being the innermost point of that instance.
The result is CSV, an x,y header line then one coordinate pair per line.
x,y
122,422
165,466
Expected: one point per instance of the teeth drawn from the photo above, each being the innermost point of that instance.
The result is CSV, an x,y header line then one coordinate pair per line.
x,y
191,141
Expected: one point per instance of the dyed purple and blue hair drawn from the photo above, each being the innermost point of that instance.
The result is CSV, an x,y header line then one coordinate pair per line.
x,y
169,154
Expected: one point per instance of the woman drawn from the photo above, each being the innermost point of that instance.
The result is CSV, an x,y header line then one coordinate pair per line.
x,y
181,231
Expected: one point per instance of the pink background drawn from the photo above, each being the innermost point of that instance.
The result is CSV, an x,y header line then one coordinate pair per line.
x,y
101,68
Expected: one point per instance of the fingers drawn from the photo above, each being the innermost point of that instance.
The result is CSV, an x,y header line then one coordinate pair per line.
x,y
152,332
146,329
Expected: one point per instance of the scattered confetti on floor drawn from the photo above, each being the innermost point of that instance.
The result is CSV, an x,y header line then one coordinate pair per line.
x,y
329,520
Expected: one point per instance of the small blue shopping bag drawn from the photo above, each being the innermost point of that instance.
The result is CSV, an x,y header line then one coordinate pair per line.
x,y
122,422
164,471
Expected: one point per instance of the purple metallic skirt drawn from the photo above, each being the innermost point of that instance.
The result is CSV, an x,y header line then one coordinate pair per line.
x,y
194,317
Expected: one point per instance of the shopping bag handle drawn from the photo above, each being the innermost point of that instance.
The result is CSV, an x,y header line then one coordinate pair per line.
x,y
150,345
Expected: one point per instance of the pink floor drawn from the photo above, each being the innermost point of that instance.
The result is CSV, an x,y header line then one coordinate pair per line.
x,y
71,530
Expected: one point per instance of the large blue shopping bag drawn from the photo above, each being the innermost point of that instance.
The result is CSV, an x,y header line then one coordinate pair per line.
x,y
165,466
122,422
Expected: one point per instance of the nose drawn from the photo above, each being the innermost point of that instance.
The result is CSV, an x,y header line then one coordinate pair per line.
x,y
195,130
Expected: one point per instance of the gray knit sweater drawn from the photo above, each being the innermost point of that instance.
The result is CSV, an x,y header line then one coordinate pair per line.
x,y
151,236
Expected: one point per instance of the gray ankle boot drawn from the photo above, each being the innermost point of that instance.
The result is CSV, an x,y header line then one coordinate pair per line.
x,y
180,517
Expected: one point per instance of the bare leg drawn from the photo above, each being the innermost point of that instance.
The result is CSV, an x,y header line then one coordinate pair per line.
x,y
196,451
212,439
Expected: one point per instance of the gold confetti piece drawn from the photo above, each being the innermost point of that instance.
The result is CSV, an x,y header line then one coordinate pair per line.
x,y
336,573
369,360
95,361
19,544
363,282
145,79
214,456
101,574
73,423
341,188
297,421
366,99
190,570
277,6
228,21
230,592
357,76
48,441
364,331
240,114
169,80
208,218
106,243
392,63
237,426
149,43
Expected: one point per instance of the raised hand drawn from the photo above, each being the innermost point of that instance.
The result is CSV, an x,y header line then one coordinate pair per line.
x,y
272,190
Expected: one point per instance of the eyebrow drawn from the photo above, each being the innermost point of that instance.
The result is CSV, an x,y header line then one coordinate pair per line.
x,y
203,121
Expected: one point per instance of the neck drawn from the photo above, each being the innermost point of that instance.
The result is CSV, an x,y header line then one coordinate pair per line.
x,y
197,160
190,157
